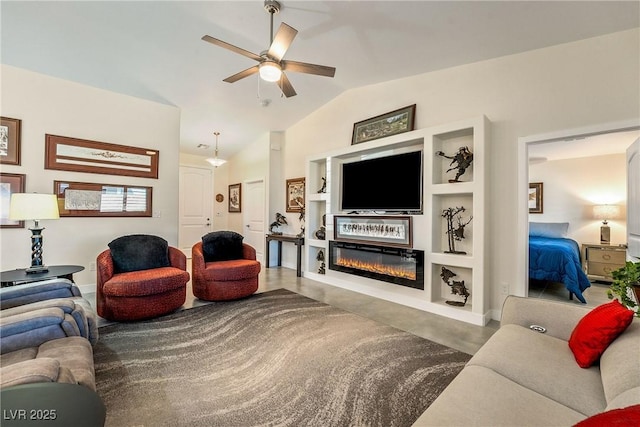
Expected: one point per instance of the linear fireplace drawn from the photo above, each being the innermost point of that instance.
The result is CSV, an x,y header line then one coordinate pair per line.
x,y
394,265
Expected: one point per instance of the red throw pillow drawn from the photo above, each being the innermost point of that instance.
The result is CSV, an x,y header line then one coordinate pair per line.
x,y
624,417
596,330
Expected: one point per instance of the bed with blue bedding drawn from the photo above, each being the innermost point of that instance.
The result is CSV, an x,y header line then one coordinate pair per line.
x,y
557,259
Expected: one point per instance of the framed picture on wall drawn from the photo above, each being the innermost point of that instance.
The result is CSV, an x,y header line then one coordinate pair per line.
x,y
10,141
387,230
82,155
391,123
94,199
535,198
295,194
235,198
10,183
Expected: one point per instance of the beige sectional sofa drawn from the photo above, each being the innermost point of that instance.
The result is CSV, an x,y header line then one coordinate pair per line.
x,y
522,377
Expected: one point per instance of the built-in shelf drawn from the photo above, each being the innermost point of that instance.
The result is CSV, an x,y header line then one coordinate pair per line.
x,y
317,243
318,197
429,228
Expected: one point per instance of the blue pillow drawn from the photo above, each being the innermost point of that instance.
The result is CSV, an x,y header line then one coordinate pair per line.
x,y
548,229
139,252
222,246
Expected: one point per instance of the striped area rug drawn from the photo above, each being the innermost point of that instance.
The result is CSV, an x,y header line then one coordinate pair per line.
x,y
273,359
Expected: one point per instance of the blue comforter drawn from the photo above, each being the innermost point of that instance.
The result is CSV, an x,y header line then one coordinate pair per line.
x,y
557,260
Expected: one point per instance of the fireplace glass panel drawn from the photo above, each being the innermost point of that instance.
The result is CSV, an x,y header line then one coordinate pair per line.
x,y
394,265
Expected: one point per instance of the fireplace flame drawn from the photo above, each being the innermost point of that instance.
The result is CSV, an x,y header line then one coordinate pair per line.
x,y
377,268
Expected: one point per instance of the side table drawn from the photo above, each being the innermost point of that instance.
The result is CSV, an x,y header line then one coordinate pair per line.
x,y
20,276
297,240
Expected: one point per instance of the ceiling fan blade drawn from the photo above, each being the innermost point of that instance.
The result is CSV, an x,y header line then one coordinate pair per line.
x,y
303,67
231,47
242,74
286,87
282,41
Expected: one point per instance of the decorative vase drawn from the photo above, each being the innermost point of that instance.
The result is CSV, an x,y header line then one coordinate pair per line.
x,y
320,234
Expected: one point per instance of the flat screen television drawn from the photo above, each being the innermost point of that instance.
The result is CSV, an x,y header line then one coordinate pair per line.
x,y
389,184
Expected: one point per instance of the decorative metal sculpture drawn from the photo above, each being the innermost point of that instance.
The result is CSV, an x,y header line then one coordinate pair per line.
x,y
321,234
455,232
324,185
457,287
280,220
460,161
320,257
301,218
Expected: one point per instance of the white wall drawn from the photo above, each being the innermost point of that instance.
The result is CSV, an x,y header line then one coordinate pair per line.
x,y
50,105
573,186
561,87
251,164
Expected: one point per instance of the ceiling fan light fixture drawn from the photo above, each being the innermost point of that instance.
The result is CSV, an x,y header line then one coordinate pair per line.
x,y
271,61
270,71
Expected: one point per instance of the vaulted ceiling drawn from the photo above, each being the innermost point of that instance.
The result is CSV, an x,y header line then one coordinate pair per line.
x,y
153,49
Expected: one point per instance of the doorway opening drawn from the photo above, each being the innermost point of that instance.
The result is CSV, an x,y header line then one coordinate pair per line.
x,y
528,147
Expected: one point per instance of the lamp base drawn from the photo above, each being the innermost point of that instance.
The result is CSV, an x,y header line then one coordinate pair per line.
x,y
36,269
37,266
605,235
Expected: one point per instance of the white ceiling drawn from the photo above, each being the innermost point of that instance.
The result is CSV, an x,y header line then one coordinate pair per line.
x,y
599,145
153,49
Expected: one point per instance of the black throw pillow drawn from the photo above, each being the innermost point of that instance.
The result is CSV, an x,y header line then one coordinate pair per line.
x,y
222,246
139,252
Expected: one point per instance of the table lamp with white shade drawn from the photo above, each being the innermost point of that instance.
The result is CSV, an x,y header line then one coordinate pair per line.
x,y
605,213
36,207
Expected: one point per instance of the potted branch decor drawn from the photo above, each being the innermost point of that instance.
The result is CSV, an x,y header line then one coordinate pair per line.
x,y
626,285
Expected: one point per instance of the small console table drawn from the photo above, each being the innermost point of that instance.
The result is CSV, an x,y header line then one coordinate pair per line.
x,y
297,240
20,276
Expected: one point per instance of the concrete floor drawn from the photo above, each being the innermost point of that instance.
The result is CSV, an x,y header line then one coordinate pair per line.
x,y
594,295
452,333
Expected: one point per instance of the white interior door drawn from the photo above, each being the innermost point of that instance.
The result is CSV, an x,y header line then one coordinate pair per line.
x,y
196,206
633,201
254,206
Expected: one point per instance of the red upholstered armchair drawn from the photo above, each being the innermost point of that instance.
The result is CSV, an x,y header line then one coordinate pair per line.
x,y
140,277
224,279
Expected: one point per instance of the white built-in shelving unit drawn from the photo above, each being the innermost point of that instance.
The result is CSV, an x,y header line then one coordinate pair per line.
x,y
429,228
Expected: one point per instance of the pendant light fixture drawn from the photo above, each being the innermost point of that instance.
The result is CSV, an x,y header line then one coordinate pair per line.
x,y
215,162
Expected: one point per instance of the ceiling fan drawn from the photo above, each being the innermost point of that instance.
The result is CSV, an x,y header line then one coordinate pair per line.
x,y
271,66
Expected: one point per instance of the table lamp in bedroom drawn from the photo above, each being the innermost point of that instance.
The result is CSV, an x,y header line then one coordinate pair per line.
x,y
605,213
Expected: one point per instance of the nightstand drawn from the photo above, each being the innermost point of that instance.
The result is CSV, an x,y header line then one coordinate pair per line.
x,y
600,260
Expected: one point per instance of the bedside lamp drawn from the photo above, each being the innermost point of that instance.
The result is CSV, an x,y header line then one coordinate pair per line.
x,y
605,212
36,207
